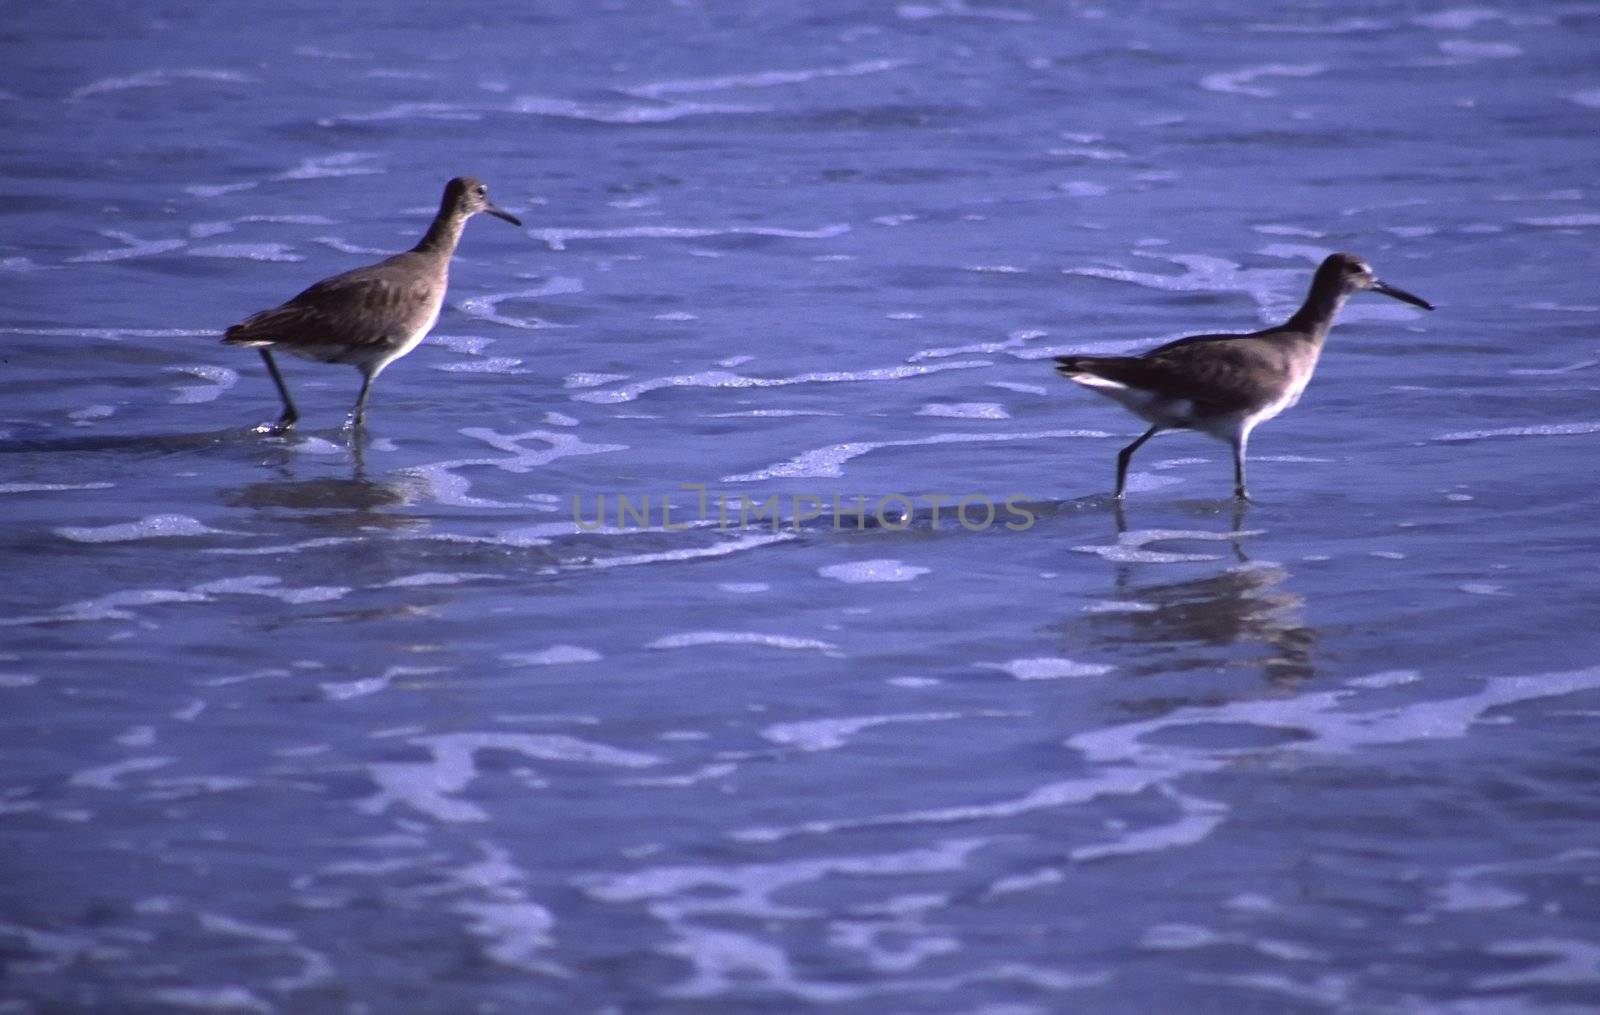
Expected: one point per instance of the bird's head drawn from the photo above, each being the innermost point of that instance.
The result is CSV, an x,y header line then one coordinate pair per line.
x,y
468,196
1354,275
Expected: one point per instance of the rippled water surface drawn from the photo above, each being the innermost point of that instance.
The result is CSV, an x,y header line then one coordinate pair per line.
x,y
291,724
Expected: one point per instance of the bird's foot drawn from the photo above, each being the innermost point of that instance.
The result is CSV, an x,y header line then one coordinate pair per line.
x,y
277,429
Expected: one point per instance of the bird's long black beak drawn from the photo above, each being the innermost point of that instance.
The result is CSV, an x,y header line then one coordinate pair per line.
x,y
1401,295
501,213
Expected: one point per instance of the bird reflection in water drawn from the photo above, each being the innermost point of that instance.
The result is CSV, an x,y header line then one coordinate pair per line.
x,y
332,502
1193,623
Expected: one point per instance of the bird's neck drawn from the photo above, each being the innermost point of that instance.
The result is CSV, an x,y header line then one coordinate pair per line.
x,y
443,235
1322,304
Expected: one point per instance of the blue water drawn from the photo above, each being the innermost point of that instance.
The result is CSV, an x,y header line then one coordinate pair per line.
x,y
295,724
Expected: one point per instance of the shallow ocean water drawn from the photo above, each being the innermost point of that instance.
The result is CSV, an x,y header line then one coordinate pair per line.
x,y
296,725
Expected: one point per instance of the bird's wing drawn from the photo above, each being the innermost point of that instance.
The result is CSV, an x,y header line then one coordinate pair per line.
x,y
356,309
1218,372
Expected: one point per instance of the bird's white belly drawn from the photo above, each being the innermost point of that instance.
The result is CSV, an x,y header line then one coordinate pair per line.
x,y
410,341
1162,410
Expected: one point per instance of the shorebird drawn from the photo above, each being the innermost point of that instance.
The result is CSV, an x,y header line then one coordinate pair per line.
x,y
1227,385
368,317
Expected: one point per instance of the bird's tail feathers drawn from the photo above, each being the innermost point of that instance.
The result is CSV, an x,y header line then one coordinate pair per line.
x,y
238,336
1083,369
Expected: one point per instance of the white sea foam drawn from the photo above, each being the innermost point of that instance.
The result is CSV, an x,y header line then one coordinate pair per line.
x,y
960,9
1126,764
219,379
1569,962
1048,668
406,111
425,579
590,380
1580,220
51,487
1338,26
109,777
555,655
218,189
1588,98
344,690
110,334
1274,290
148,527
487,307
247,251
271,587
1551,371
429,787
965,410
1455,19
1295,252
90,414
828,734
695,639
281,548
1386,678
444,485
1118,606
763,79
158,79
518,930
487,365
1197,818
346,247
829,462
720,549
212,999
1024,389
858,572
664,111
1537,430
132,246
1472,49
205,230
558,238
1243,82
107,607
337,164
1281,230
727,379
308,445
702,906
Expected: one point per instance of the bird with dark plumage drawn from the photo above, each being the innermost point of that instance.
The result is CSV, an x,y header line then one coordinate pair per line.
x,y
368,317
1227,385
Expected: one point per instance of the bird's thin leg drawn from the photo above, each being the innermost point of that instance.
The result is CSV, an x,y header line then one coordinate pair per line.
x,y
1236,533
290,414
358,447
358,417
1238,467
1127,454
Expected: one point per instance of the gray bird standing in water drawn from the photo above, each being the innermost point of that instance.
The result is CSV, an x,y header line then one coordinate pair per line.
x,y
1226,385
368,317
